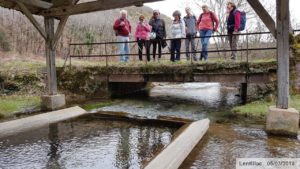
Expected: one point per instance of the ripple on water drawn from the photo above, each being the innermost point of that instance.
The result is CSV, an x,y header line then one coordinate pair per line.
x,y
225,142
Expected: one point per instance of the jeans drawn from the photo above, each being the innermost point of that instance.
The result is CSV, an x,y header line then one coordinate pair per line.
x,y
175,47
123,48
156,43
141,44
206,34
233,40
190,40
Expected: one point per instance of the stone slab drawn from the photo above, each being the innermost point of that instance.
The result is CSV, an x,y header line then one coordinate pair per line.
x,y
282,121
37,121
175,153
53,102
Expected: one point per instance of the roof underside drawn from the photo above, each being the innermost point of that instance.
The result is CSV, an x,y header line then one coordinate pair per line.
x,y
58,8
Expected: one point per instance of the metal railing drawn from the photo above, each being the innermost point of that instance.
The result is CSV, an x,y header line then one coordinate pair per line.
x,y
103,52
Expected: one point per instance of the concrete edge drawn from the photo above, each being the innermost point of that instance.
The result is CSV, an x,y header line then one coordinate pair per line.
x,y
29,123
175,153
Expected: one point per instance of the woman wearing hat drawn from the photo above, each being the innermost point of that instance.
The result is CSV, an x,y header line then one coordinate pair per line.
x,y
142,35
178,31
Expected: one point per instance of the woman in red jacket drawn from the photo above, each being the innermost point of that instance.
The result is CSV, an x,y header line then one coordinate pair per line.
x,y
142,35
207,24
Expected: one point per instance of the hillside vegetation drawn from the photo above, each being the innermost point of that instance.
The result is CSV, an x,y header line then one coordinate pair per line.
x,y
17,35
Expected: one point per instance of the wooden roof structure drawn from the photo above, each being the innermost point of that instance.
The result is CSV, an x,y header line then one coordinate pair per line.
x,y
58,8
62,9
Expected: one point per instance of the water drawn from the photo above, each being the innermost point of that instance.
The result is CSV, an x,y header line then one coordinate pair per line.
x,y
94,143
85,143
190,100
228,138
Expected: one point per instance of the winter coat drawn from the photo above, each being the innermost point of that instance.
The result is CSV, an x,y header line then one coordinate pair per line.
x,y
159,27
178,29
143,31
208,21
233,21
191,25
122,30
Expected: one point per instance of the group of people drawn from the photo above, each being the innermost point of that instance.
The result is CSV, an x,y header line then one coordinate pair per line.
x,y
154,33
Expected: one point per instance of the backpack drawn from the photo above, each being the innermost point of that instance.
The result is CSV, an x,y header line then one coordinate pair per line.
x,y
243,19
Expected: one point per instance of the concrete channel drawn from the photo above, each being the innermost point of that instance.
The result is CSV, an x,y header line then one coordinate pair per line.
x,y
184,141
30,123
175,153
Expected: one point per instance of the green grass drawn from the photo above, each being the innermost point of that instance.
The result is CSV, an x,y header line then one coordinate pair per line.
x,y
90,107
11,104
258,109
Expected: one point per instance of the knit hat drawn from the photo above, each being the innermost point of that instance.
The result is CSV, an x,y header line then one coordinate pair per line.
x,y
176,13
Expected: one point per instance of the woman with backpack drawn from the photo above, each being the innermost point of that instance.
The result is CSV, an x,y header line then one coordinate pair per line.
x,y
207,24
233,27
178,31
142,35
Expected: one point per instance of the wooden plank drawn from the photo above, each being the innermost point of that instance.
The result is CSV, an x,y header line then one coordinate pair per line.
x,y
59,31
263,15
14,6
93,6
36,3
50,56
283,53
35,23
173,156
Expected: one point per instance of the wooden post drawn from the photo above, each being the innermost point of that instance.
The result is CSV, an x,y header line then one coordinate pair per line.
x,y
283,53
50,56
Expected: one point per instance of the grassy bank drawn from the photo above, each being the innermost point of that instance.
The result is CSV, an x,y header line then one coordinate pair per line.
x,y
258,109
11,104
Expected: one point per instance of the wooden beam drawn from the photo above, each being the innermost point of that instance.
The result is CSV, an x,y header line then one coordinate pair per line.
x,y
36,3
50,57
263,15
27,13
59,31
93,6
283,19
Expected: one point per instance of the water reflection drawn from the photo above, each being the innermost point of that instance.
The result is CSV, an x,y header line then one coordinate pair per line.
x,y
85,143
54,147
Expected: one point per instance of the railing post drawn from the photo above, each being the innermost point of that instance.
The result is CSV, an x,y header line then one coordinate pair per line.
x,y
68,55
106,61
247,50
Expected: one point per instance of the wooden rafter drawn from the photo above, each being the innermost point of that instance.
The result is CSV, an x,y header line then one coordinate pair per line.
x,y
59,31
35,23
263,15
93,6
36,3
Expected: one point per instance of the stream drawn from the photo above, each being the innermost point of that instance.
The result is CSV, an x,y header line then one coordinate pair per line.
x,y
89,142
